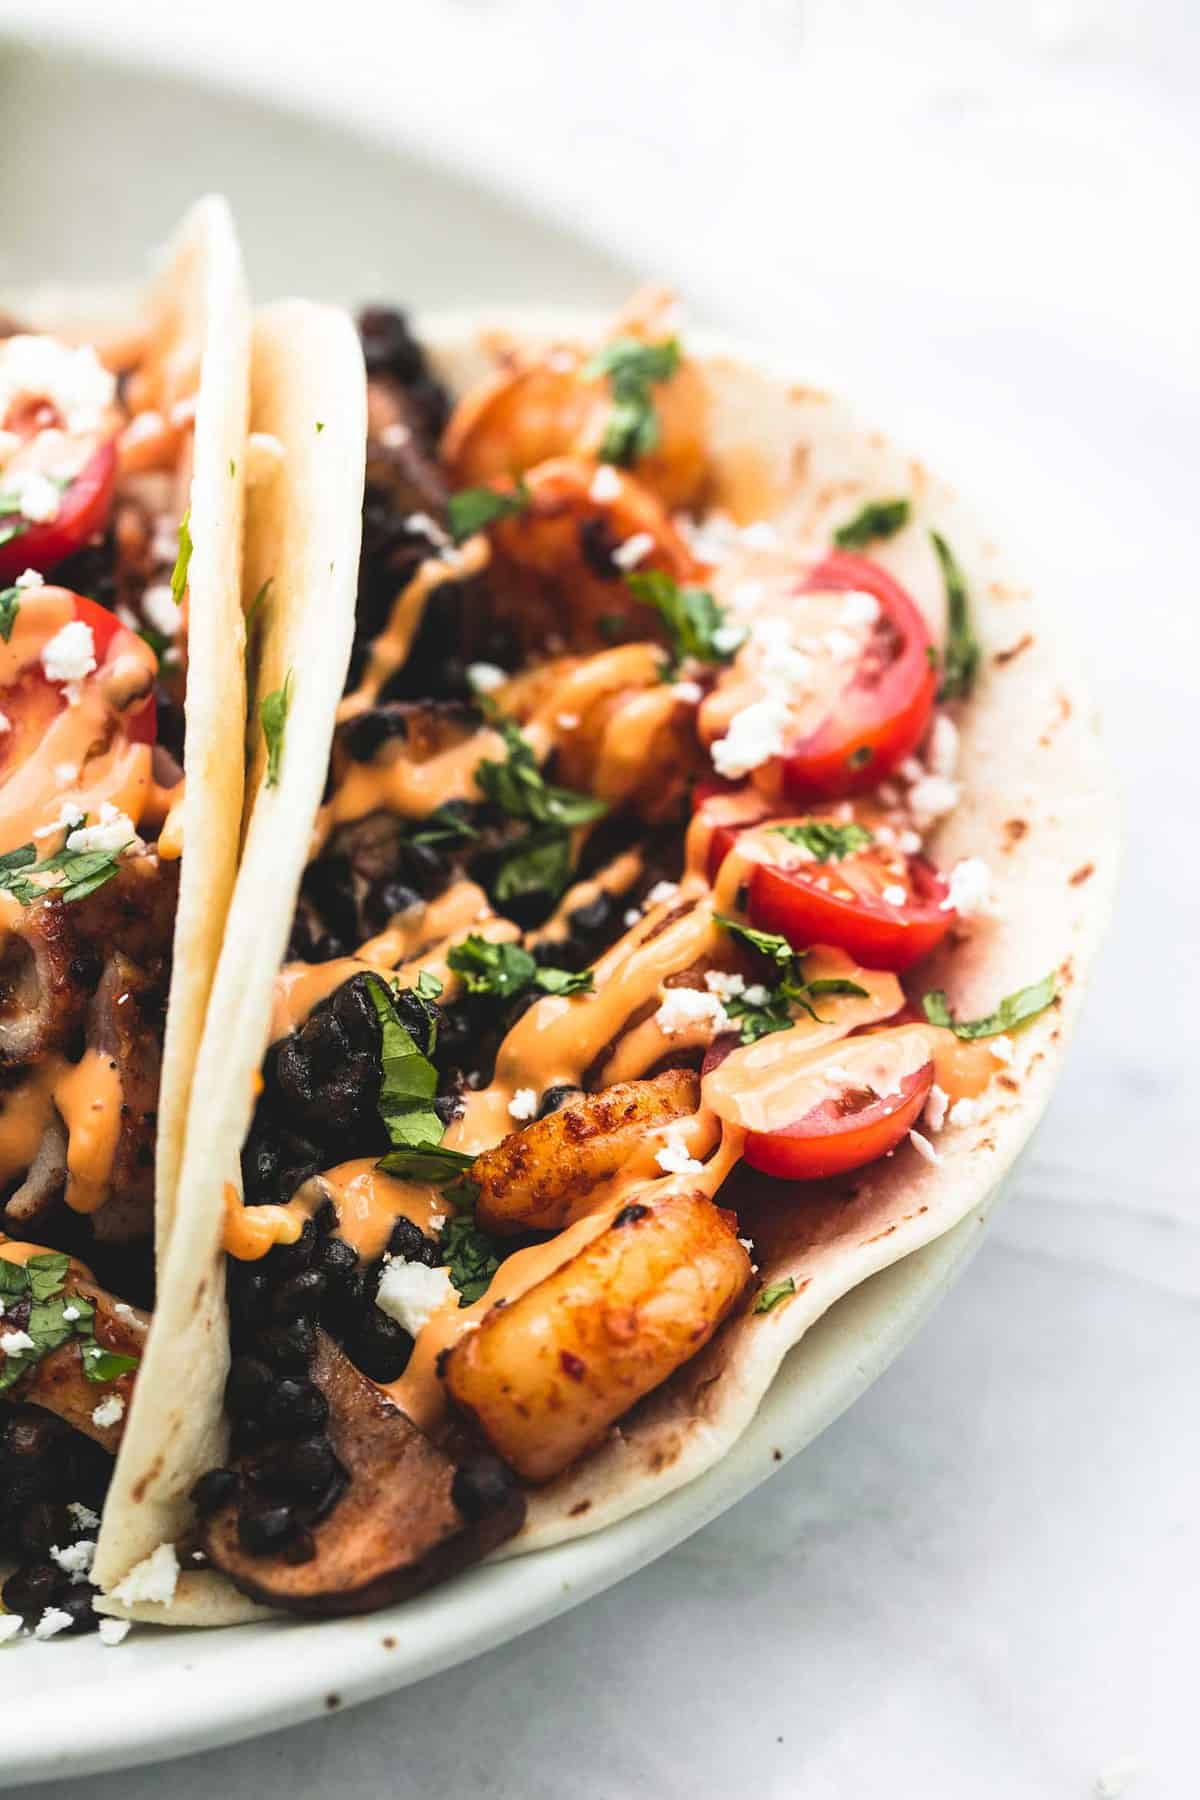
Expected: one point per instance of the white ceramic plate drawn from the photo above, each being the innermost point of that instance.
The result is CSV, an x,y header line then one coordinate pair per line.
x,y
447,242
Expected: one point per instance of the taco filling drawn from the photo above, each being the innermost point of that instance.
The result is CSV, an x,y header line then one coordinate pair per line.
x,y
618,916
98,453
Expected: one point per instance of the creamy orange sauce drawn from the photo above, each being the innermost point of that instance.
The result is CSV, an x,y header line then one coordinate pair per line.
x,y
389,651
250,1231
369,1202
88,1097
617,877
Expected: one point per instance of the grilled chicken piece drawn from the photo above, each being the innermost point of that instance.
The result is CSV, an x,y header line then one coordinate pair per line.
x,y
126,1023
540,1178
58,1383
408,1517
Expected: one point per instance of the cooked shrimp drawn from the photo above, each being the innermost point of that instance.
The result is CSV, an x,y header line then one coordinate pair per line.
x,y
540,406
540,1179
554,573
545,1376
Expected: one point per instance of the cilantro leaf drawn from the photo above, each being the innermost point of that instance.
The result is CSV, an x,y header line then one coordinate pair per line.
x,y
761,1010
179,574
691,616
877,519
471,1255
518,787
100,1364
767,943
538,863
446,825
507,970
47,1274
82,872
429,985
425,1162
10,606
960,661
472,509
771,1296
826,841
409,1079
1013,1010
41,1282
632,368
273,710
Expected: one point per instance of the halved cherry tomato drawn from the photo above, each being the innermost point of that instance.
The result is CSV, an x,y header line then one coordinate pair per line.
x,y
851,911
883,713
842,1132
82,512
141,723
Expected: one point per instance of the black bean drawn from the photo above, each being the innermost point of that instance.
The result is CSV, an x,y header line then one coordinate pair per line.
x,y
248,1291
554,1097
31,1589
425,868
379,1346
248,1387
44,1524
364,736
304,1468
345,1300
409,1243
296,1408
299,1297
291,1259
246,1435
596,544
76,1601
337,1259
264,1529
215,1489
288,1348
387,898
389,347
594,916
482,1486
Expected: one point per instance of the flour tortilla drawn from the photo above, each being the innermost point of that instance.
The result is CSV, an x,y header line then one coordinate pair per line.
x,y
1037,805
302,535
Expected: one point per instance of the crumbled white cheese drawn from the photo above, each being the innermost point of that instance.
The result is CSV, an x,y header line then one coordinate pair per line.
x,y
70,1314
755,734
970,888
52,1621
36,497
859,608
32,578
908,843
437,1221
965,1112
422,525
935,1107
148,424
69,816
689,691
930,798
10,1627
410,1293
943,747
726,986
114,1631
757,994
110,1411
660,892
72,379
673,1159
923,1147
762,535
264,456
841,645
605,485
726,639
894,894
71,653
485,677
161,609
114,831
632,917
1001,1048
153,1579
66,773
85,1519
13,1343
683,1008
524,1104
634,550
122,1309
74,1560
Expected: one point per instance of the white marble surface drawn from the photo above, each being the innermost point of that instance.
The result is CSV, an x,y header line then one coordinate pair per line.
x,y
981,1583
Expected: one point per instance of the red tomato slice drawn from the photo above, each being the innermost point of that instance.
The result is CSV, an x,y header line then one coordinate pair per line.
x,y
141,725
883,713
843,1132
82,512
851,913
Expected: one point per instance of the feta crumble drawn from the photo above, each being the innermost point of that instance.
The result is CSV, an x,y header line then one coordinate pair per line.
x,y
605,485
485,677
422,525
755,734
859,608
524,1104
70,653
634,550
935,1107
970,888
673,1159
84,1517
36,496
943,747
70,1314
114,831
923,1147
13,1343
32,578
1002,1048
841,645
153,1579
683,1008
74,1560
660,892
410,1293
895,895
114,1631
689,691
161,610
761,535
965,1112
632,917
726,986
930,798
52,1621
110,1411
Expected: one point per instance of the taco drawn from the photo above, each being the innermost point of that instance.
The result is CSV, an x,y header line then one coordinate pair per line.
x,y
122,469
678,918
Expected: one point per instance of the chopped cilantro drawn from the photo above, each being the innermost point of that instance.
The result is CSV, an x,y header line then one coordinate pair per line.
x,y
828,842
428,986
960,663
100,1364
771,1296
471,1255
40,1286
691,616
767,943
507,970
760,1013
273,710
633,368
540,861
409,1079
472,509
10,606
425,1162
877,519
179,574
446,825
80,873
320,426
1013,1010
